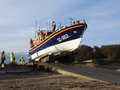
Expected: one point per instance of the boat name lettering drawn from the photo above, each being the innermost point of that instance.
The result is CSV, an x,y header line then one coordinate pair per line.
x,y
63,37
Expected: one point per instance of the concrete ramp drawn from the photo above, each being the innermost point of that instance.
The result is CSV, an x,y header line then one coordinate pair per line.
x,y
86,72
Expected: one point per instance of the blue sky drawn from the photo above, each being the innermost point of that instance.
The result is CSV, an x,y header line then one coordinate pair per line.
x,y
18,17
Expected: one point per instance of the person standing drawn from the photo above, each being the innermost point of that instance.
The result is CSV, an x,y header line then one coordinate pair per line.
x,y
73,22
41,35
22,60
12,57
3,58
31,43
77,22
53,26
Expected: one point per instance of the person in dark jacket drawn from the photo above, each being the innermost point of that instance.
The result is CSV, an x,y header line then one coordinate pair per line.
x,y
53,26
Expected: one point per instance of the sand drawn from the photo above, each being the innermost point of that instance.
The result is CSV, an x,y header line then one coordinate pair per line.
x,y
41,80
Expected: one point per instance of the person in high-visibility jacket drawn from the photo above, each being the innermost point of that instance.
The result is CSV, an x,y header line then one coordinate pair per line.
x,y
12,57
22,60
2,58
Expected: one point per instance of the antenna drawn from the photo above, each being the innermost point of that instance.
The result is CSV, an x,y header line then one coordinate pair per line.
x,y
39,27
35,28
40,24
49,26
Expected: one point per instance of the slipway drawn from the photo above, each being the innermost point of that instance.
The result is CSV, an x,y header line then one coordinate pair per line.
x,y
90,73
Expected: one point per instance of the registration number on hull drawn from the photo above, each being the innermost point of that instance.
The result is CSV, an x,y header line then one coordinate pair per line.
x,y
62,38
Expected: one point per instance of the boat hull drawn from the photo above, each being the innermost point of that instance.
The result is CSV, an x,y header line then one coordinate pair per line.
x,y
67,39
